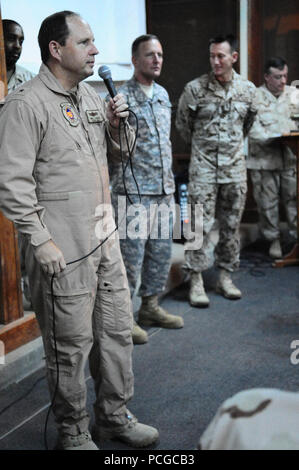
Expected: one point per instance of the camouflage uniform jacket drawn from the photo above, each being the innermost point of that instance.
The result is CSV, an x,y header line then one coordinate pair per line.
x,y
152,159
215,121
19,76
273,119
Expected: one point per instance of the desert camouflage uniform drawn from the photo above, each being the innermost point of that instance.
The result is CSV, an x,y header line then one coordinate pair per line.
x,y
272,164
256,419
215,119
20,75
152,169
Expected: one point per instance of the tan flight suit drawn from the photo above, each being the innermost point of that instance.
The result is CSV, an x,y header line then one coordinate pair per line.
x,y
54,180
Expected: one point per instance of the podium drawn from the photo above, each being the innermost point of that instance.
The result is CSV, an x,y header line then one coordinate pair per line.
x,y
292,258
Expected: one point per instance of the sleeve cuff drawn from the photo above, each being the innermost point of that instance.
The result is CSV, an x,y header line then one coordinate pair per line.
x,y
38,238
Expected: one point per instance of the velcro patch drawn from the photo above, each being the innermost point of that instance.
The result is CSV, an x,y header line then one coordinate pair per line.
x,y
94,115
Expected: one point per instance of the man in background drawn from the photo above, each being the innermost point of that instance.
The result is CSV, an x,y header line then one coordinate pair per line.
x,y
214,114
272,164
148,257
16,75
13,41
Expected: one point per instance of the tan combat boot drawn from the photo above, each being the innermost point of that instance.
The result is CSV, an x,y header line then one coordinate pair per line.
x,y
151,314
139,336
275,249
197,296
81,441
226,287
133,433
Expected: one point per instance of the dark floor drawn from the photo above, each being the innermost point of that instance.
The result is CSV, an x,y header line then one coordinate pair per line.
x,y
181,377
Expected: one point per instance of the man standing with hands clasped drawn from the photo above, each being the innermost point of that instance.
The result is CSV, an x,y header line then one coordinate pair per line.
x,y
54,182
215,112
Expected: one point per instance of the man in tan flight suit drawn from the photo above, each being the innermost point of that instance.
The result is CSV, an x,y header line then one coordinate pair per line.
x,y
272,164
54,186
214,114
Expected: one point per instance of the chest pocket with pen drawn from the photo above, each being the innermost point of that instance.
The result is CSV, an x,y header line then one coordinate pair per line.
x,y
162,113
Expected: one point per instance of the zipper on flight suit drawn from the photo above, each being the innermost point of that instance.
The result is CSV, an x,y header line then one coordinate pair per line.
x,y
88,141
85,131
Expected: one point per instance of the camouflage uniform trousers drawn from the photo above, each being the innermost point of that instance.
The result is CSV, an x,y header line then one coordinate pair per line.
x,y
146,254
270,188
225,202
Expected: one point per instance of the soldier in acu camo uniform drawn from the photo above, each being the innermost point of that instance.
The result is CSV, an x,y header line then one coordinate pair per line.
x,y
272,164
147,255
215,112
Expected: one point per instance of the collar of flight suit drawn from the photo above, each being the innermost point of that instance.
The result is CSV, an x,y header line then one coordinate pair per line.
x,y
51,82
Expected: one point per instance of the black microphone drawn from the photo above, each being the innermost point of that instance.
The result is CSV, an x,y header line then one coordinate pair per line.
x,y
105,73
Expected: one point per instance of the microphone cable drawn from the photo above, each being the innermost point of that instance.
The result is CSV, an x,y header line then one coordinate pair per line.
x,y
129,161
124,168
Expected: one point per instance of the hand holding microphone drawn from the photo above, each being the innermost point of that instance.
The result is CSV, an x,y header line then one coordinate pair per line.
x,y
117,107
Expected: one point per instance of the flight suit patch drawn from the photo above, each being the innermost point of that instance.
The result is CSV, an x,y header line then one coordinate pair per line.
x,y
69,114
94,115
